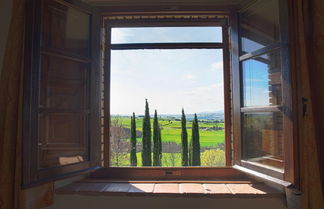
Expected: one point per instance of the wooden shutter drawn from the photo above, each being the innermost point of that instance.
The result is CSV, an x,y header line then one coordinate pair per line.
x,y
61,90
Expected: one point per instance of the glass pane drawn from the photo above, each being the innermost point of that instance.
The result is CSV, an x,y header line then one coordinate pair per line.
x,y
261,79
259,26
63,139
66,29
170,80
64,87
166,35
262,138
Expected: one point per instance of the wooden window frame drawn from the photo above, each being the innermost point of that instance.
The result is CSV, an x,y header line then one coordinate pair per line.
x,y
288,107
232,96
226,172
235,167
34,49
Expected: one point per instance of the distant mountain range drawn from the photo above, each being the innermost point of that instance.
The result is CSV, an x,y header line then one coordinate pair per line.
x,y
201,116
219,115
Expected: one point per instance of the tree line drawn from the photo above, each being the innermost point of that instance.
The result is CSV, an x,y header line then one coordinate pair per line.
x,y
190,151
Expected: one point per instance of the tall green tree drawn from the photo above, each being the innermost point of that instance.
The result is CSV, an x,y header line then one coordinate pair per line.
x,y
133,157
156,141
190,153
195,143
160,145
146,139
184,139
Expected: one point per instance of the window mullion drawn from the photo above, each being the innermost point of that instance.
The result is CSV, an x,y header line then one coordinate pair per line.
x,y
134,46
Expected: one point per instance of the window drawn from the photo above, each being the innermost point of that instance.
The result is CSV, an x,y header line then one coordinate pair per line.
x,y
68,96
61,97
265,111
175,52
172,77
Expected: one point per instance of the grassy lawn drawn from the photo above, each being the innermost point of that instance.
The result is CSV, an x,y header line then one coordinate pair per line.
x,y
171,131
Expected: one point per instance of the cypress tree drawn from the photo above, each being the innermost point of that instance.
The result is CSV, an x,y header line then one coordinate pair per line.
x,y
160,146
195,143
190,153
156,141
133,157
146,139
184,140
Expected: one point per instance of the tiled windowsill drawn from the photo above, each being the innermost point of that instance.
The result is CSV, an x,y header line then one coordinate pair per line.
x,y
172,189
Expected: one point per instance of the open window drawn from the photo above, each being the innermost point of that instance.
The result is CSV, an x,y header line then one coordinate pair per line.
x,y
61,91
73,106
265,115
174,68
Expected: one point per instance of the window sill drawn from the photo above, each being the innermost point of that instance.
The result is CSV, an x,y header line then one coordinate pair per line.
x,y
263,177
210,189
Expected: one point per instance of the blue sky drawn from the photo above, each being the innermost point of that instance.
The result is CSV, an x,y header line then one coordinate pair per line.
x,y
166,34
169,79
255,80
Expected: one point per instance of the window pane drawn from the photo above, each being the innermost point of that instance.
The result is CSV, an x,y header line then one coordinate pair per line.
x,y
70,26
261,79
262,138
259,26
166,35
170,80
63,139
64,88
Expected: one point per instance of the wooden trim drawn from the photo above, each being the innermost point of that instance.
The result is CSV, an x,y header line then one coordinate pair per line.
x,y
287,107
107,96
296,94
276,108
246,5
48,175
144,21
263,169
227,72
261,51
33,173
158,173
242,181
289,111
64,55
236,95
167,46
95,83
227,96
76,4
53,110
263,176
31,71
165,10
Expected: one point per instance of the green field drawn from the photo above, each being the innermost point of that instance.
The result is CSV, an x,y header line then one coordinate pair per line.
x,y
208,158
171,131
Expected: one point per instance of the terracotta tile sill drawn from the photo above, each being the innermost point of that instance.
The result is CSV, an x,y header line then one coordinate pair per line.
x,y
172,189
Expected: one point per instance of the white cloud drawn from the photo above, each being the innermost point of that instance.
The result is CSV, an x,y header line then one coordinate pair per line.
x,y
120,35
189,77
217,66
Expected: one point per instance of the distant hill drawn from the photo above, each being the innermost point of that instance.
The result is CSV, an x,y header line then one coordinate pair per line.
x,y
219,115
201,116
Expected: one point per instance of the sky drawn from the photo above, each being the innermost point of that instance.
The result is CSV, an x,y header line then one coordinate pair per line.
x,y
255,76
170,79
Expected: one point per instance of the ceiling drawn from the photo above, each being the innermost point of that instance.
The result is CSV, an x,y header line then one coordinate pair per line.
x,y
229,3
